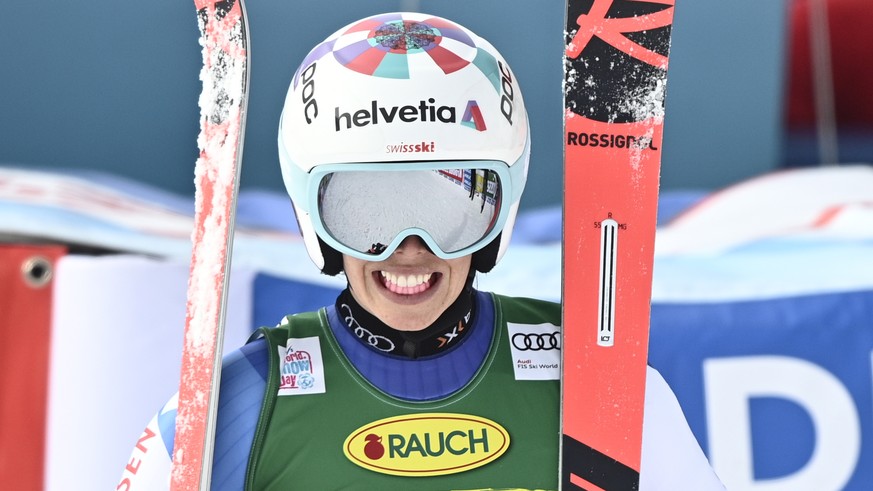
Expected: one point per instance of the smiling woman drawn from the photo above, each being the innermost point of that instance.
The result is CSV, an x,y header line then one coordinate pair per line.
x,y
412,378
383,288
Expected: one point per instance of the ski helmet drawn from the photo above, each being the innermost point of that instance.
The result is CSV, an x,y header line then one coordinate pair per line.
x,y
404,124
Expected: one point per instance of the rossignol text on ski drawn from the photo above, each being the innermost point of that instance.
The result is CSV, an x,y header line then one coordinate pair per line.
x,y
614,87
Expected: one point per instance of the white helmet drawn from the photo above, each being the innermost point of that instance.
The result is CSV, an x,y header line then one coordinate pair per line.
x,y
404,124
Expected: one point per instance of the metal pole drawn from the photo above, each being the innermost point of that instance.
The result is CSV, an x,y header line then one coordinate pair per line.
x,y
823,84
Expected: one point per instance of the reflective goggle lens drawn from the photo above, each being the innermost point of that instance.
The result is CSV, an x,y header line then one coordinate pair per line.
x,y
365,211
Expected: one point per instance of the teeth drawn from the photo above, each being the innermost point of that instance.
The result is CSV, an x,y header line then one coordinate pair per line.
x,y
405,281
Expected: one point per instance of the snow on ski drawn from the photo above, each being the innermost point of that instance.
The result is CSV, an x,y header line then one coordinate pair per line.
x,y
614,87
225,77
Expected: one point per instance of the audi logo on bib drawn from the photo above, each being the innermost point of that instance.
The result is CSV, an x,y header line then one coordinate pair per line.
x,y
536,341
536,351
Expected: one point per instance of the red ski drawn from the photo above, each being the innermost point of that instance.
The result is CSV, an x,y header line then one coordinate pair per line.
x,y
225,77
615,82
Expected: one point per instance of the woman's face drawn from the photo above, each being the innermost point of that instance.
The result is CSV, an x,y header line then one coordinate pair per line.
x,y
409,290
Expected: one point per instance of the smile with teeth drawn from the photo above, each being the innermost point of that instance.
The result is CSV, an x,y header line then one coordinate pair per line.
x,y
409,284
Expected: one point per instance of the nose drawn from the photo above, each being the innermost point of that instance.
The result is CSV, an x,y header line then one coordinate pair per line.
x,y
412,245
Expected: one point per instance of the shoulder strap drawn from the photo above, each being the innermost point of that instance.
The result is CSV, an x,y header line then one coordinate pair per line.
x,y
269,335
272,338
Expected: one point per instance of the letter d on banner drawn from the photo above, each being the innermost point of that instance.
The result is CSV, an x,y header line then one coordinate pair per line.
x,y
730,383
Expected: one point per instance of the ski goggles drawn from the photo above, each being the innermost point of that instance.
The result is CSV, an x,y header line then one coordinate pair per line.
x,y
365,210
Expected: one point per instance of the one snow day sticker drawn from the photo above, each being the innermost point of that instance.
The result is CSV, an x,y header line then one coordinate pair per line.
x,y
301,370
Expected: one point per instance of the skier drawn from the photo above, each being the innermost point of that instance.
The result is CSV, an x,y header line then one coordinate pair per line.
x,y
413,379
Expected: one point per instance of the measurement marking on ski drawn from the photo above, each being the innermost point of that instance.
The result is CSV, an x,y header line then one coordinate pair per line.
x,y
606,297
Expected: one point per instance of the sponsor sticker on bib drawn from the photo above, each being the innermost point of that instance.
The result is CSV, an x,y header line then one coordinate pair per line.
x,y
428,444
301,370
536,351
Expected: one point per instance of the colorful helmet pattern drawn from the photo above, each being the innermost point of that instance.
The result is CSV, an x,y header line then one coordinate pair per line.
x,y
401,88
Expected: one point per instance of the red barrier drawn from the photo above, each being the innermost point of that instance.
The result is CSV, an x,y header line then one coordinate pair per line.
x,y
25,329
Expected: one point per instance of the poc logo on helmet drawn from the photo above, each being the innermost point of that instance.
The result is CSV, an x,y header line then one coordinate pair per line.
x,y
307,94
507,94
